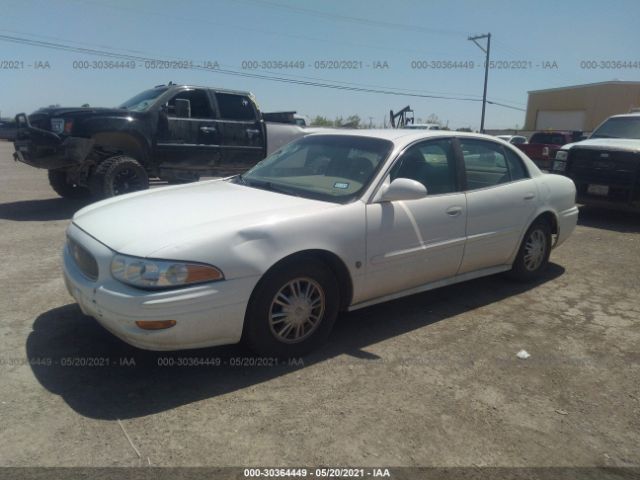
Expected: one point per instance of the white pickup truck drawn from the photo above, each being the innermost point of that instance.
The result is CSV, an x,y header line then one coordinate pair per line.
x,y
606,166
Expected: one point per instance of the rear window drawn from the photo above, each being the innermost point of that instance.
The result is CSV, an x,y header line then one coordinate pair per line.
x,y
548,138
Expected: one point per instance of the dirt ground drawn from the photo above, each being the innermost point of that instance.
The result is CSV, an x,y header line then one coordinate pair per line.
x,y
432,379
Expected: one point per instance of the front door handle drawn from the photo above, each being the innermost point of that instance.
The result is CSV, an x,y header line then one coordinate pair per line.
x,y
253,131
206,129
530,196
454,211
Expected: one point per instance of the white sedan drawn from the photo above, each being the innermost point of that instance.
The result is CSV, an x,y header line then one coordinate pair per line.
x,y
330,222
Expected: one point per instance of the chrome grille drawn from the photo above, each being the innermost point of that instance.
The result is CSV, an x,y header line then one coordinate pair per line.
x,y
83,259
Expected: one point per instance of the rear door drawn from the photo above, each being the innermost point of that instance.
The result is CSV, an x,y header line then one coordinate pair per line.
x,y
242,132
188,140
410,243
501,200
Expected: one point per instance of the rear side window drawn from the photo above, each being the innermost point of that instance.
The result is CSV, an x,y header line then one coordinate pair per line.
x,y
235,107
199,101
431,163
517,169
485,164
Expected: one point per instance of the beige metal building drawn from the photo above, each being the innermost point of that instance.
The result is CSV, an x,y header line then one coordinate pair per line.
x,y
580,107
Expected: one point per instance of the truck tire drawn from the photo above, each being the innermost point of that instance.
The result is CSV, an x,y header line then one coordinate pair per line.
x,y
64,188
118,175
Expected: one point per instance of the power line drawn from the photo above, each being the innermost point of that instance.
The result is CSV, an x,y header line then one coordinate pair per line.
x,y
138,58
362,21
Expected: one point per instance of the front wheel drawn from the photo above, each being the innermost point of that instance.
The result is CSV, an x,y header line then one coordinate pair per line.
x,y
533,256
59,181
118,175
292,309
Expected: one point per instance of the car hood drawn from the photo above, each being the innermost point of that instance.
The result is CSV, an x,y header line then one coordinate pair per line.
x,y
606,144
142,223
76,111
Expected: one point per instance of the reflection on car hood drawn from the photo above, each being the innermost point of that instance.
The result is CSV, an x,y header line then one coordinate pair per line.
x,y
144,222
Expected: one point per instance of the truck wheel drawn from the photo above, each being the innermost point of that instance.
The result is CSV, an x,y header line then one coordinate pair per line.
x,y
118,175
292,309
64,188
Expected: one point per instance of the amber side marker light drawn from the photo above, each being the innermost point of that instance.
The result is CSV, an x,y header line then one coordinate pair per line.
x,y
155,324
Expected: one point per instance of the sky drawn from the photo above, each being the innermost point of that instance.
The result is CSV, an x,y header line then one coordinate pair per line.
x,y
403,46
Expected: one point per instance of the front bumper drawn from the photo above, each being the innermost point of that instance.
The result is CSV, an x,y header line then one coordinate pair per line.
x,y
206,315
44,149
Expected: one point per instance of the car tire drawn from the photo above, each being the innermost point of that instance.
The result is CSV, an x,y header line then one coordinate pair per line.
x,y
533,255
118,175
292,309
64,188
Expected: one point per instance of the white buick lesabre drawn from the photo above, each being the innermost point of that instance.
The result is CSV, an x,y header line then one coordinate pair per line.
x,y
329,222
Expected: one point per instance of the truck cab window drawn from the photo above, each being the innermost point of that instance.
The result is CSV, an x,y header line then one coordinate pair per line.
x,y
235,107
199,101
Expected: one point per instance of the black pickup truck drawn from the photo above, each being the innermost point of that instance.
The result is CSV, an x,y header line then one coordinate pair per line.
x,y
606,166
173,132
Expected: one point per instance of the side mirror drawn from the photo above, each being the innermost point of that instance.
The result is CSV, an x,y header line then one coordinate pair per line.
x,y
183,108
402,189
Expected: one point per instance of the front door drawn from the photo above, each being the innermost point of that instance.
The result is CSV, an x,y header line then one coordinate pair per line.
x,y
188,135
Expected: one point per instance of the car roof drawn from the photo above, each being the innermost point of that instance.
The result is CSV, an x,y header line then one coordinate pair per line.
x,y
626,115
401,137
217,89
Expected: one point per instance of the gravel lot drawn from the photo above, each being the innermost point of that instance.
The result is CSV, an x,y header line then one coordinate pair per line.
x,y
432,379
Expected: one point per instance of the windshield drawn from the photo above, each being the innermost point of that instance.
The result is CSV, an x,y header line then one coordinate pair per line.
x,y
334,168
548,138
621,127
143,100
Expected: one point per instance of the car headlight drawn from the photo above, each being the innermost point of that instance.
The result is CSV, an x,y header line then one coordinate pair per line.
x,y
562,155
145,273
559,166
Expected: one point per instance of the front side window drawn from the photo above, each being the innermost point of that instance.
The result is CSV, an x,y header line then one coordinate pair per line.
x,y
431,163
335,168
198,103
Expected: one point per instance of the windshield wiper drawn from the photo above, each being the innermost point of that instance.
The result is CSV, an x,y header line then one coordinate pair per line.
x,y
266,185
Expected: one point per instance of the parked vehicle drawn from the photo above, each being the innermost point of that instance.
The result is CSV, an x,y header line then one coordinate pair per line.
x,y
7,129
513,139
423,126
175,132
542,146
330,222
606,167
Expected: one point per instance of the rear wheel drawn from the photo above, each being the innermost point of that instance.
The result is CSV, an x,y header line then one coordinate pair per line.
x,y
533,256
118,175
58,179
292,309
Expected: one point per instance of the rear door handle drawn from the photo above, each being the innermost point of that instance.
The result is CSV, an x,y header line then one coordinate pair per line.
x,y
207,129
530,196
253,131
454,211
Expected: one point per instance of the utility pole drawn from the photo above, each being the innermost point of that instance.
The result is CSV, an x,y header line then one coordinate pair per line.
x,y
486,71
